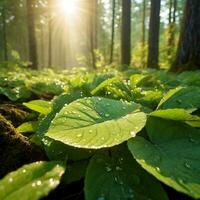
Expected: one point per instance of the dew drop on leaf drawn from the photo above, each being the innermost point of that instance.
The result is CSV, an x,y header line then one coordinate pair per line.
x,y
107,115
108,169
118,168
187,165
79,135
133,133
10,180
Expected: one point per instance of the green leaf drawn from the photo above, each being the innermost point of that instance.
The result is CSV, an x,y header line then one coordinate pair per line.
x,y
115,174
187,97
40,106
56,150
28,127
176,114
31,182
172,155
75,171
96,123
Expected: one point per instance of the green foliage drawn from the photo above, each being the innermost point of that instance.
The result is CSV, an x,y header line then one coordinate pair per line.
x,y
31,182
94,123
86,119
119,177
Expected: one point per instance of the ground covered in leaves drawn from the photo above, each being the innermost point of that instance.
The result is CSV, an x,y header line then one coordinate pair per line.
x,y
104,135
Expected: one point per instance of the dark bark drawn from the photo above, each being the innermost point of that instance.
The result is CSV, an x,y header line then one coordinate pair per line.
x,y
143,32
188,52
126,34
5,49
31,34
112,32
154,26
171,27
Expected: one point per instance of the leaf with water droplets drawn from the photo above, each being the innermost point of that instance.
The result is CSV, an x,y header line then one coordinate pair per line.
x,y
116,175
31,182
99,125
172,155
181,97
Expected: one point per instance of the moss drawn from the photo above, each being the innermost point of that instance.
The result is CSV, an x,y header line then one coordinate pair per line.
x,y
13,113
15,149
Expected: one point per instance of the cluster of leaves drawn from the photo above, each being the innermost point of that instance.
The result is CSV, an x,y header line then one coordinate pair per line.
x,y
124,133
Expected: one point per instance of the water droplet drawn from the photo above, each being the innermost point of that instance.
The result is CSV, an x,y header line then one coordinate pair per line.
x,y
193,140
121,160
157,169
108,169
116,180
99,98
179,100
118,168
10,180
107,115
23,171
133,133
39,183
187,165
181,181
79,135
33,184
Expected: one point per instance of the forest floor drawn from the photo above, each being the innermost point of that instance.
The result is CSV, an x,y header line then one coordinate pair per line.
x,y
41,110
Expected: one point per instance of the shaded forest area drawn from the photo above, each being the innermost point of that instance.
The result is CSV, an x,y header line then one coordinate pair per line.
x,y
99,99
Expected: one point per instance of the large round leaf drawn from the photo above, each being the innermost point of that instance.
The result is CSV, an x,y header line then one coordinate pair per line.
x,y
96,123
172,155
115,175
31,182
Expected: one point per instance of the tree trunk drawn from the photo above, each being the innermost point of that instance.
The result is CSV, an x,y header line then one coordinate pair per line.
x,y
188,52
92,29
50,6
31,34
126,34
143,56
171,28
154,26
5,49
112,32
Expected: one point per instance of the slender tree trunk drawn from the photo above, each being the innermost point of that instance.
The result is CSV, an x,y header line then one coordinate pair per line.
x,y
171,28
92,27
126,34
188,52
50,33
112,32
31,34
42,44
143,32
5,49
154,26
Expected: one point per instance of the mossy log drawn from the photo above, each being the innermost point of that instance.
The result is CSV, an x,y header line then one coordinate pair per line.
x,y
15,149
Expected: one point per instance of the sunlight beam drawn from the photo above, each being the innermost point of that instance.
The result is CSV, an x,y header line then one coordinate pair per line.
x,y
68,7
